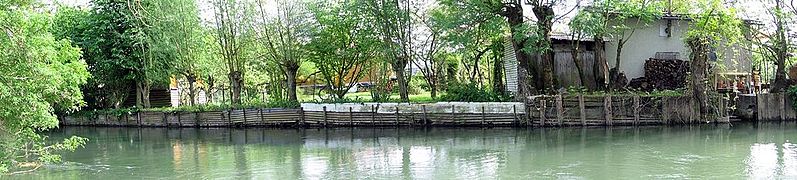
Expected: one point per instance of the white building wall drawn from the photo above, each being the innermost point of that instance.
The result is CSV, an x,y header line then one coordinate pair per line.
x,y
644,44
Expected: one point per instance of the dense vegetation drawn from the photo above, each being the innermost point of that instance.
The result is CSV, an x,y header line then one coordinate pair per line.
x,y
276,53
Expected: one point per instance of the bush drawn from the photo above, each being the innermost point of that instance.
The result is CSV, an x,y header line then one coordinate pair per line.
x,y
472,93
792,93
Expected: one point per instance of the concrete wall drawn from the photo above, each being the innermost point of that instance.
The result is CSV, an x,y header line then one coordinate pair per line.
x,y
441,107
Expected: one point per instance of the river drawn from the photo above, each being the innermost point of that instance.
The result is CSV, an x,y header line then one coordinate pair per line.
x,y
759,151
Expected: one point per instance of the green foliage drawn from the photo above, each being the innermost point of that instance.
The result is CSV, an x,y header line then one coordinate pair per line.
x,y
418,83
714,23
792,93
39,75
195,108
342,45
472,93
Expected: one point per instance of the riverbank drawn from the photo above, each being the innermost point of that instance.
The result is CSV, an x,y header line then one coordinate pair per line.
x,y
559,110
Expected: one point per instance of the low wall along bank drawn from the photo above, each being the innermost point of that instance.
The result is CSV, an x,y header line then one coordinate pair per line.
x,y
544,111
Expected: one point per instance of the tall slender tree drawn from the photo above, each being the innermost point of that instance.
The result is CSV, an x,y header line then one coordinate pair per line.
x,y
393,22
284,36
231,25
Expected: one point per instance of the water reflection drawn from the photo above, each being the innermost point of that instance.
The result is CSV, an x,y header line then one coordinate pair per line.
x,y
747,150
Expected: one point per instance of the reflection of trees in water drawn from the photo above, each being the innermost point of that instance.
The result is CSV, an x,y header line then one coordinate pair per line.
x,y
430,153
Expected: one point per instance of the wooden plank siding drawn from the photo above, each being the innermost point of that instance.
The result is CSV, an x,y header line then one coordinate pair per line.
x,y
560,110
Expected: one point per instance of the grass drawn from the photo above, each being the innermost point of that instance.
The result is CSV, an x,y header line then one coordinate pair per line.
x,y
423,97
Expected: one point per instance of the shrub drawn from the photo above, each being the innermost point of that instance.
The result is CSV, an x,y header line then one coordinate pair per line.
x,y
472,93
792,93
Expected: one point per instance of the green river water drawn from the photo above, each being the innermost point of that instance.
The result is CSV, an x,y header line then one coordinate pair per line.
x,y
740,151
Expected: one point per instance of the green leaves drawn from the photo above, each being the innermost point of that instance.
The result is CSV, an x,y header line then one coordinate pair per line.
x,y
342,45
39,75
714,23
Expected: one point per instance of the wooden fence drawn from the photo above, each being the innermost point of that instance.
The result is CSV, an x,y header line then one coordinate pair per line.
x,y
775,107
617,110
545,111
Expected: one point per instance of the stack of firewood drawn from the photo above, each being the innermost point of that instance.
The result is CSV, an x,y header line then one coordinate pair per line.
x,y
666,73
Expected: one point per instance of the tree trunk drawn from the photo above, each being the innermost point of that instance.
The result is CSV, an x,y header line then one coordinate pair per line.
x,y
236,83
781,52
139,94
544,14
145,94
579,67
698,64
398,68
191,90
209,89
601,66
433,91
615,81
498,75
526,88
290,73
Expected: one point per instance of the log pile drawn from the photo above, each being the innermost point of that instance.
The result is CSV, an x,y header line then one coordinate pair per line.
x,y
666,73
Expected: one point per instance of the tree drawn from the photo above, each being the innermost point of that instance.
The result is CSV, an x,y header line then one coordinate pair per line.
x,y
426,54
39,76
776,45
181,35
284,36
106,34
581,27
393,22
231,23
473,32
619,20
342,45
713,25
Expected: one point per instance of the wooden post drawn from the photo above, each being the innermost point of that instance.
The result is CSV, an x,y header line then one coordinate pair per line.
x,y
373,115
229,117
607,108
138,118
542,112
397,115
453,117
244,111
179,121
196,119
636,110
325,116
351,117
425,118
301,110
483,115
262,119
582,110
165,120
782,105
559,110
514,114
